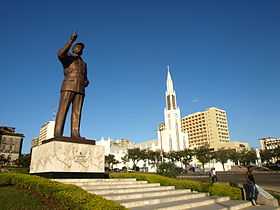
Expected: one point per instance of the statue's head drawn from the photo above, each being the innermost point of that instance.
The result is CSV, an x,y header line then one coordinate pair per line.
x,y
78,48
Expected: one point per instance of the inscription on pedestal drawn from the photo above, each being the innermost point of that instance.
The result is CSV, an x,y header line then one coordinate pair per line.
x,y
61,156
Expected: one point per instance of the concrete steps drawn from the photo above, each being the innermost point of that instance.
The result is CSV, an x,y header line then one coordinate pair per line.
x,y
148,194
111,183
70,181
122,186
226,205
184,204
160,199
131,190
140,195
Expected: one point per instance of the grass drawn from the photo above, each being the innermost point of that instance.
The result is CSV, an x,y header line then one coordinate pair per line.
x,y
63,195
18,170
12,198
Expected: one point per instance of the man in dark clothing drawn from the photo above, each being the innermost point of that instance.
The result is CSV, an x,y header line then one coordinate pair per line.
x,y
251,186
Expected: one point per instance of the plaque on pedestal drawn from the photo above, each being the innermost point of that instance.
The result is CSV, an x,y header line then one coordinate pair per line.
x,y
64,157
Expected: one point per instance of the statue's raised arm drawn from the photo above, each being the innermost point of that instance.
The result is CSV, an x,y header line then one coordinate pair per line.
x,y
63,52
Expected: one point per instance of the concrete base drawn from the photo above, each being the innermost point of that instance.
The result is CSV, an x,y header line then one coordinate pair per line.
x,y
265,198
68,159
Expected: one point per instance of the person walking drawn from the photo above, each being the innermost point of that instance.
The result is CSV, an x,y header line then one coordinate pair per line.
x,y
213,176
251,186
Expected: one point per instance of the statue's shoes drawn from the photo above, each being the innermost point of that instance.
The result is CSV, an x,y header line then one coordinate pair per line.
x,y
78,138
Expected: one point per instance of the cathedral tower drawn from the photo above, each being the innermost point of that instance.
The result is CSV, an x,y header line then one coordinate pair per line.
x,y
170,136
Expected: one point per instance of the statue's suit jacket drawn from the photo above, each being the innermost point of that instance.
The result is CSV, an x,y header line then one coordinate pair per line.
x,y
75,73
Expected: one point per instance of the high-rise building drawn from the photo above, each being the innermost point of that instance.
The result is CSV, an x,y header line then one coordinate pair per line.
x,y
34,142
206,128
170,135
269,143
10,142
46,131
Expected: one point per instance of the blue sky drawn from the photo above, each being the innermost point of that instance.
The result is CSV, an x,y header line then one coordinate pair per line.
x,y
221,53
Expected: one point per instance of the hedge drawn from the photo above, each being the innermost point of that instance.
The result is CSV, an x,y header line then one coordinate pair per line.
x,y
65,195
220,189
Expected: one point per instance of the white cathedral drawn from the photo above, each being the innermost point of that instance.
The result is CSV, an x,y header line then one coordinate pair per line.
x,y
170,136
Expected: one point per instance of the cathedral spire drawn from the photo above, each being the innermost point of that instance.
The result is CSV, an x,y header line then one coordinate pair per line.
x,y
169,82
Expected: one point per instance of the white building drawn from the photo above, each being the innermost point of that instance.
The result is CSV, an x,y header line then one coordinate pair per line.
x,y
46,131
118,148
148,145
269,143
170,136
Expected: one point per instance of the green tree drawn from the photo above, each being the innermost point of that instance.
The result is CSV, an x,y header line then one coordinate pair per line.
x,y
154,157
3,159
186,157
144,155
276,153
251,156
222,156
203,154
247,157
234,155
125,159
267,155
9,159
134,155
111,161
24,160
173,156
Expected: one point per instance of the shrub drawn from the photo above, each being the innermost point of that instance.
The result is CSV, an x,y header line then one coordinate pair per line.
x,y
224,189
220,189
169,169
66,195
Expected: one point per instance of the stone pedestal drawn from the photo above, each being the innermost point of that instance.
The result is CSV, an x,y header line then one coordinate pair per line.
x,y
68,158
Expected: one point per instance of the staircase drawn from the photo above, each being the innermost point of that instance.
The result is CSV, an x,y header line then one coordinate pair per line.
x,y
140,195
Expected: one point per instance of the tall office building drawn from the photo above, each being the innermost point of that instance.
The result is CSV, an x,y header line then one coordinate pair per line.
x,y
170,135
209,127
46,131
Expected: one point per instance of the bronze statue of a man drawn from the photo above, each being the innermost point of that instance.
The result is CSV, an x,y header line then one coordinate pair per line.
x,y
73,87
